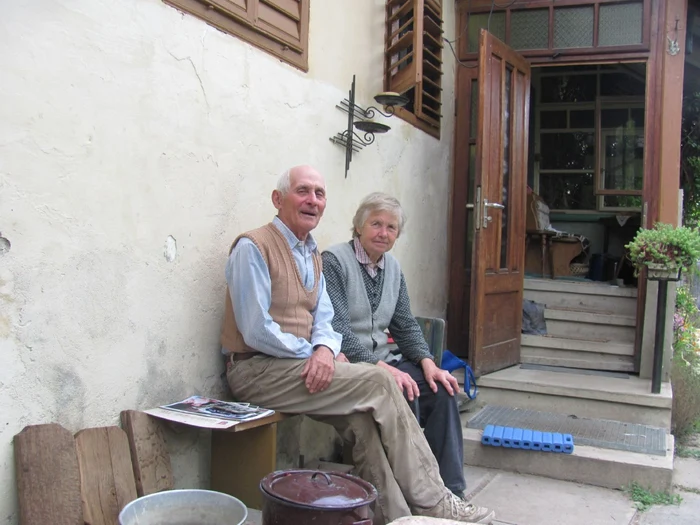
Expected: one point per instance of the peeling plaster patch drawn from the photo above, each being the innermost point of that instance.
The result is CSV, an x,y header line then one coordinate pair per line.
x,y
4,245
170,251
70,396
4,326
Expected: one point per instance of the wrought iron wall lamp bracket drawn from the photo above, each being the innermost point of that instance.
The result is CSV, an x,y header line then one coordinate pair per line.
x,y
361,119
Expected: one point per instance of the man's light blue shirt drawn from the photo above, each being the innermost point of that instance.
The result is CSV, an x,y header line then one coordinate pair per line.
x,y
250,286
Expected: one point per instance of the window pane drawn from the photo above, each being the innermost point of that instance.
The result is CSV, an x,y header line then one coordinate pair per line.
x,y
638,117
623,161
553,119
620,24
529,29
622,201
566,151
621,85
505,212
497,27
614,118
474,109
568,191
583,118
568,88
573,27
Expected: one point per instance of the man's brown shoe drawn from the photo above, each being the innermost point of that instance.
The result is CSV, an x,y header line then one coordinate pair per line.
x,y
453,508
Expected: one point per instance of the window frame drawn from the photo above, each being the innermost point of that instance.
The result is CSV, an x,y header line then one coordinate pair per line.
x,y
598,105
595,53
243,22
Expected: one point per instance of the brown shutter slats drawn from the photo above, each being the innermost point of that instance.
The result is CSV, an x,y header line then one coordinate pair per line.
x,y
413,50
280,27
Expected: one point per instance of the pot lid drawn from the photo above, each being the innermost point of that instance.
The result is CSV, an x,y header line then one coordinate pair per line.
x,y
312,488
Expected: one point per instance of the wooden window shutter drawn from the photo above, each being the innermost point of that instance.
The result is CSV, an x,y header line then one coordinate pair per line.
x,y
413,55
280,27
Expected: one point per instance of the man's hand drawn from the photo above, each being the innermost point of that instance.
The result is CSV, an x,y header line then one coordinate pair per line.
x,y
434,375
341,358
405,381
319,369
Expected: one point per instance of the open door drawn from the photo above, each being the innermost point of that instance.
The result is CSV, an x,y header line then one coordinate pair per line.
x,y
490,188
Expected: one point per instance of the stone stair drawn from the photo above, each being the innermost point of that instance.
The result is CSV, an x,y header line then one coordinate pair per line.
x,y
580,369
589,326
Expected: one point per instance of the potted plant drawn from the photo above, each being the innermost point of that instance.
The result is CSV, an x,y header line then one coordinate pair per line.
x,y
665,250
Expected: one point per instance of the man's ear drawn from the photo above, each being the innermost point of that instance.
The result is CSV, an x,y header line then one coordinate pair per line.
x,y
276,199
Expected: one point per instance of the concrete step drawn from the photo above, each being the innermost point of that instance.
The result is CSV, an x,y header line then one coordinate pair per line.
x,y
577,353
591,297
582,324
594,396
590,465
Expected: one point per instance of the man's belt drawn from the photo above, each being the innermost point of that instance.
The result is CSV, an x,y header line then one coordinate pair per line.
x,y
242,356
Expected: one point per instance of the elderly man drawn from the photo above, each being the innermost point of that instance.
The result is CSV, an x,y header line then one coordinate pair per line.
x,y
369,296
285,355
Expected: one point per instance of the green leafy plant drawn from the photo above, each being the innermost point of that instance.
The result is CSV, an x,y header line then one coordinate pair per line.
x,y
644,498
685,368
666,245
690,156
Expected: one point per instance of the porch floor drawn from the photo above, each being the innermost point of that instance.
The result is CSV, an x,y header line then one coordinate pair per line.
x,y
631,391
602,433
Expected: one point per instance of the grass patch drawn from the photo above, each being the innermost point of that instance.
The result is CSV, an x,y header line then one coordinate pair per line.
x,y
684,452
644,498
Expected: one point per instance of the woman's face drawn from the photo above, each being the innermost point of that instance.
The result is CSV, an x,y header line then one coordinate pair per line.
x,y
379,233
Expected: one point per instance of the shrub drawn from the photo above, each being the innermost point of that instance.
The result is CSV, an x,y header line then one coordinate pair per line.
x,y
685,371
666,245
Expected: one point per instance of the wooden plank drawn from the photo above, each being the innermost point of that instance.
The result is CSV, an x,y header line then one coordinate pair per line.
x,y
48,480
106,475
149,455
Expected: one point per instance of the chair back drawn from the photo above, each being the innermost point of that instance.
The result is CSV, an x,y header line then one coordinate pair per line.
x,y
434,332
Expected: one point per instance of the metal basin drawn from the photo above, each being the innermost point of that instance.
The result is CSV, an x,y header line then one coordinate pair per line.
x,y
184,507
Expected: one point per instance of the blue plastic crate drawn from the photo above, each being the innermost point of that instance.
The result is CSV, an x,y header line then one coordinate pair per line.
x,y
527,439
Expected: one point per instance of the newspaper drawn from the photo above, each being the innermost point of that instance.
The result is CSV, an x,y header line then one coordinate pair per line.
x,y
206,412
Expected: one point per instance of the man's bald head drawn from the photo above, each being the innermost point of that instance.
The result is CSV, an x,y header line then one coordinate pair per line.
x,y
284,183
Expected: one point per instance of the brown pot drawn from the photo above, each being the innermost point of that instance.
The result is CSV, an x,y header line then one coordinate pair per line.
x,y
295,497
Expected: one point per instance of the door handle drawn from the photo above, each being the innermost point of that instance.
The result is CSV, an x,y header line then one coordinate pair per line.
x,y
487,205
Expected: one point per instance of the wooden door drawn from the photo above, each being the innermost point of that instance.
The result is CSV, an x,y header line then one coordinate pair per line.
x,y
488,222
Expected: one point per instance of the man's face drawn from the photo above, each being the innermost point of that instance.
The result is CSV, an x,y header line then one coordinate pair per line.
x,y
301,208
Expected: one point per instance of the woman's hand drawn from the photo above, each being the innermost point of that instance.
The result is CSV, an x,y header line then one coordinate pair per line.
x,y
405,381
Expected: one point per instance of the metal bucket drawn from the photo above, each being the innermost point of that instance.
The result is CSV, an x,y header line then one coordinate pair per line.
x,y
184,507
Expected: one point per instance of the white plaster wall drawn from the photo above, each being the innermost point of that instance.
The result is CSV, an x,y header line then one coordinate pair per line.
x,y
124,123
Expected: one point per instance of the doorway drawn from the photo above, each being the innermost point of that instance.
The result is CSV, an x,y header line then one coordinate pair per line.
x,y
585,171
585,163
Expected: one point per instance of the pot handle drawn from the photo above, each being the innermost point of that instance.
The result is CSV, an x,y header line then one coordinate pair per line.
x,y
363,522
328,479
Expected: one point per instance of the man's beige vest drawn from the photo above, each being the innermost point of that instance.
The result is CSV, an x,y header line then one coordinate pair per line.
x,y
291,304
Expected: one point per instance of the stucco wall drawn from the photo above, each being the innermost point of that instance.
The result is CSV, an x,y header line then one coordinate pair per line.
x,y
125,123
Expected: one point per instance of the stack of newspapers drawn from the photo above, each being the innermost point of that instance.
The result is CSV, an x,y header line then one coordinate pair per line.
x,y
206,412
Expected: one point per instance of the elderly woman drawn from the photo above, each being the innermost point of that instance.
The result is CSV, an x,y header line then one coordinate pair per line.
x,y
369,296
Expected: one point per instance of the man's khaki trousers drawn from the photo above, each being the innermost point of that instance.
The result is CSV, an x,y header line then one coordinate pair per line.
x,y
367,408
